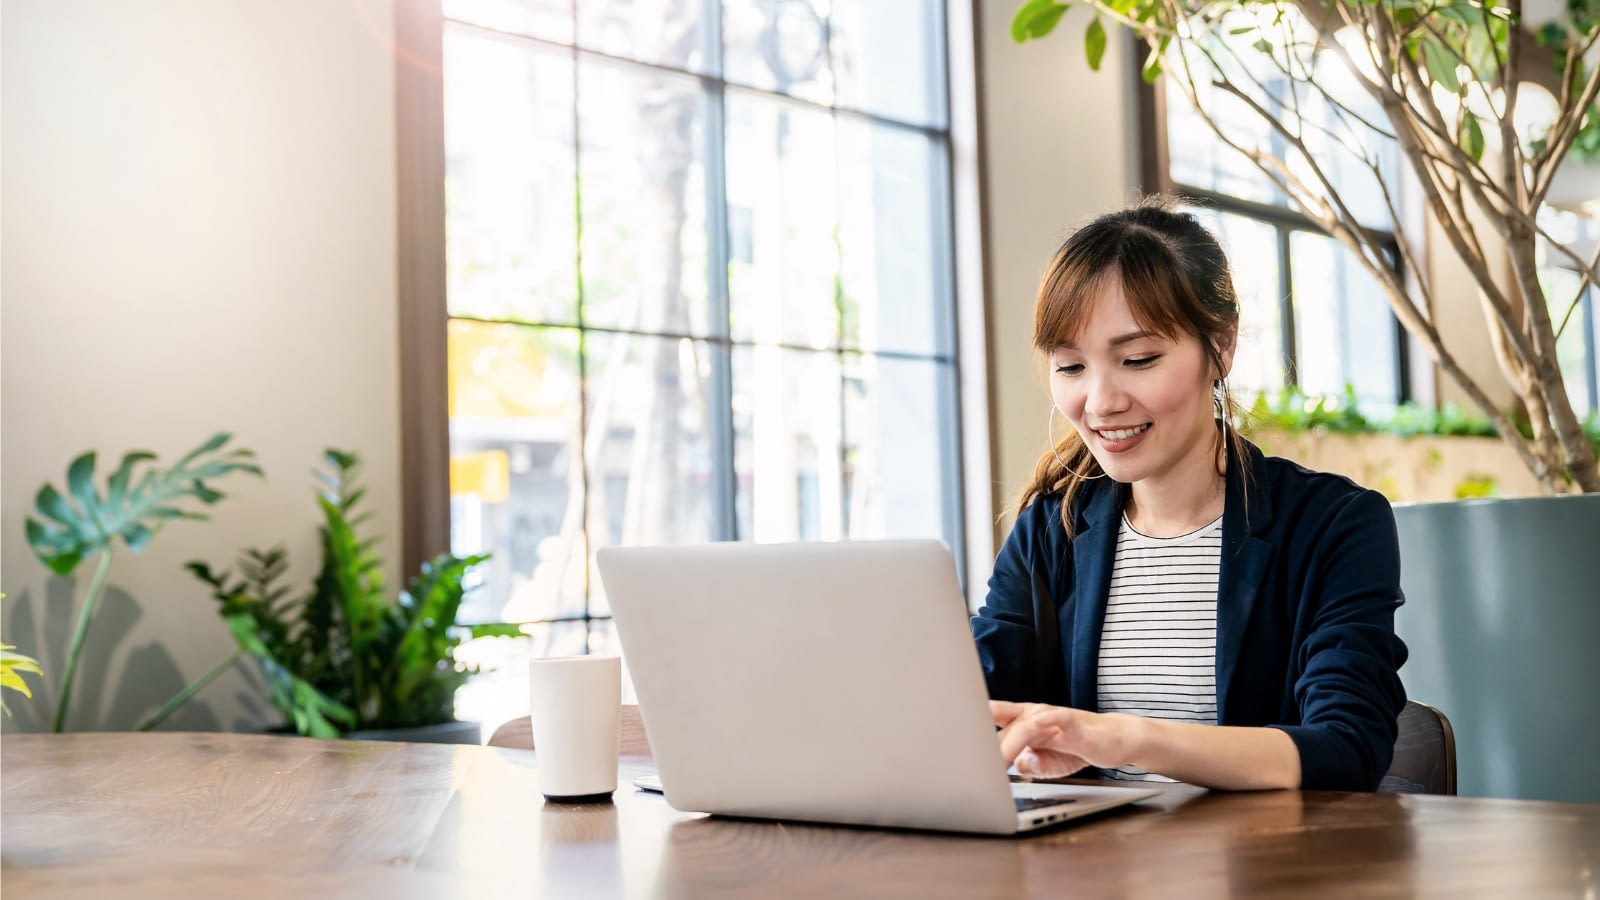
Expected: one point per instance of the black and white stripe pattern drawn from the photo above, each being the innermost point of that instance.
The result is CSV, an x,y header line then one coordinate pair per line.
x,y
1158,647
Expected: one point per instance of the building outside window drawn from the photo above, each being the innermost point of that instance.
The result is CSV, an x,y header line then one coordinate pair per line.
x,y
699,284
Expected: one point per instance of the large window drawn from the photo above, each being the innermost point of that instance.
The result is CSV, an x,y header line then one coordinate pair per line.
x,y
1313,317
699,288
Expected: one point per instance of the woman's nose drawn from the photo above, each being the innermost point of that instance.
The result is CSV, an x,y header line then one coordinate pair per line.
x,y
1106,397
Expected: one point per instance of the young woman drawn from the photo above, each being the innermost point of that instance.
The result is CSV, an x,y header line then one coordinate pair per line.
x,y
1171,603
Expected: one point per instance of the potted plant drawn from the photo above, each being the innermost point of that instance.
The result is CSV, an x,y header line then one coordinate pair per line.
x,y
12,665
348,658
1501,612
139,499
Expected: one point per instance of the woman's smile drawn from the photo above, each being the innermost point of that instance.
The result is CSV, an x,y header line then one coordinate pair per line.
x,y
1117,440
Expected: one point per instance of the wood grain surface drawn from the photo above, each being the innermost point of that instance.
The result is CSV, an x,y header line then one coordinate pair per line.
x,y
232,815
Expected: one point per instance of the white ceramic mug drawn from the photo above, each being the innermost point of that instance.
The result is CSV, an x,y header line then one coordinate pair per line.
x,y
575,707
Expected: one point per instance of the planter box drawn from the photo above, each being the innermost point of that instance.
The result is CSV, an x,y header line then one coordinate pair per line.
x,y
1416,470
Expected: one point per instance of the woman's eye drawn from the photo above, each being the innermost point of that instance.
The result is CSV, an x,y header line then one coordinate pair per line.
x,y
1142,361
1071,369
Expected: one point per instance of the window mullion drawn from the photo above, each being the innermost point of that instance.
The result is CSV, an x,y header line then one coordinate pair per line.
x,y
1286,324
724,487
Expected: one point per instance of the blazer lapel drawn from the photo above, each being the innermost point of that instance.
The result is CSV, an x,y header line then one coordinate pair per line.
x,y
1244,562
1093,552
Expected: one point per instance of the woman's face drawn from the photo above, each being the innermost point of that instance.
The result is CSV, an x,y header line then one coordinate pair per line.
x,y
1141,402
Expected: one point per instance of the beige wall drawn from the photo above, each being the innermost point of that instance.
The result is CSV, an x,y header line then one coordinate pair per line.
x,y
198,235
1060,147
1459,315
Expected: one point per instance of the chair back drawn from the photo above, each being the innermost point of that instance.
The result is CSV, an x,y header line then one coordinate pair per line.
x,y
518,733
1424,753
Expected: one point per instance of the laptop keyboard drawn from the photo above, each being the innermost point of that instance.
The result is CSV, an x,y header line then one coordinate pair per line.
x,y
1026,803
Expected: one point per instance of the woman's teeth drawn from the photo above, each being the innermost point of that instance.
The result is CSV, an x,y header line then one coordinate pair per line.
x,y
1124,433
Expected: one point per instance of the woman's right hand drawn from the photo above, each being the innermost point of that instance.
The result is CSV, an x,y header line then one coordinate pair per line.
x,y
1055,741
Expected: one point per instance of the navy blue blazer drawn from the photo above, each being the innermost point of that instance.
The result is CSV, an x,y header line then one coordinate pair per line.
x,y
1309,583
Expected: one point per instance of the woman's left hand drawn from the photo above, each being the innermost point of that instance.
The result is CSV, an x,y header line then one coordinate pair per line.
x,y
1055,741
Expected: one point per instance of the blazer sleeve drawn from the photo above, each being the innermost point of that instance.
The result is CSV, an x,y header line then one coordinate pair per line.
x,y
1349,691
1016,630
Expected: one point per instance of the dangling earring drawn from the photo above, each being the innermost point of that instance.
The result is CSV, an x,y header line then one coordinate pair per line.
x,y
1050,434
1219,399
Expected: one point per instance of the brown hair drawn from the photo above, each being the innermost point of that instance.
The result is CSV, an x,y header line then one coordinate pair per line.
x,y
1177,282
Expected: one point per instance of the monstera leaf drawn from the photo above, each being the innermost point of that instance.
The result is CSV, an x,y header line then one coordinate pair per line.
x,y
139,498
84,521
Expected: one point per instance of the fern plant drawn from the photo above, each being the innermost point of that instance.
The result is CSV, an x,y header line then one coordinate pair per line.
x,y
139,499
348,655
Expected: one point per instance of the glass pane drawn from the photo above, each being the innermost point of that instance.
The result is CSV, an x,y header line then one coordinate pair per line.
x,y
1592,319
1591,313
674,33
1344,330
1252,248
1199,159
642,163
649,444
888,58
1576,347
891,217
510,189
516,489
786,444
1332,108
1572,347
547,19
778,45
1343,147
783,267
900,474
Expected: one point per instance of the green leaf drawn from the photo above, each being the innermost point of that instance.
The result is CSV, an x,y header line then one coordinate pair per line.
x,y
1035,19
1094,43
1551,36
495,629
133,515
52,505
136,536
1152,63
1263,45
172,512
1472,137
204,494
57,550
1441,65
215,441
117,485
49,536
80,482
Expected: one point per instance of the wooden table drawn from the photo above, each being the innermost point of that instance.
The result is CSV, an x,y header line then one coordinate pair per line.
x,y
233,816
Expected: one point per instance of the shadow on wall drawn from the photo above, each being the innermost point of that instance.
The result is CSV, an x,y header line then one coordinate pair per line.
x,y
147,678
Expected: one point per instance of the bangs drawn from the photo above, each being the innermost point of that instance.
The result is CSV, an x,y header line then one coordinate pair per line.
x,y
1084,269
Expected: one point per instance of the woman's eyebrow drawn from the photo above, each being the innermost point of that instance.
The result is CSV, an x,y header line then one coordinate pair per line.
x,y
1117,341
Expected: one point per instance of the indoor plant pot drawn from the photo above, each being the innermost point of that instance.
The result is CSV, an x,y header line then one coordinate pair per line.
x,y
1502,618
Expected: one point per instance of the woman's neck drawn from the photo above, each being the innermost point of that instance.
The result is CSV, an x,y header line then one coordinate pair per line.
x,y
1184,502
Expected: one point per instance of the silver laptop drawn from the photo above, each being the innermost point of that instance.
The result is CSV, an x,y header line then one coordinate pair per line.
x,y
822,682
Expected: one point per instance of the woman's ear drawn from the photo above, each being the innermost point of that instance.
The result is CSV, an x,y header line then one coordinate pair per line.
x,y
1226,343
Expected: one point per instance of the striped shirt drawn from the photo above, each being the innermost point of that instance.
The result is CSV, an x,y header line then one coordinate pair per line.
x,y
1158,648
